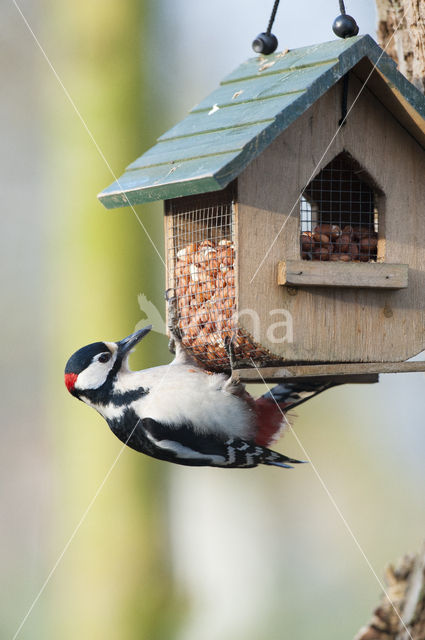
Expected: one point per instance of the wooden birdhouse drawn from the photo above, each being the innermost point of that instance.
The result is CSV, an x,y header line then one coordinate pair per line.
x,y
295,214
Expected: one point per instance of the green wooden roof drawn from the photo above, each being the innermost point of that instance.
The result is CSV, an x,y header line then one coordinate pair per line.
x,y
251,107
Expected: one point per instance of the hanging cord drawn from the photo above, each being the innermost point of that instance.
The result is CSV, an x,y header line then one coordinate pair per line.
x,y
344,97
273,16
266,41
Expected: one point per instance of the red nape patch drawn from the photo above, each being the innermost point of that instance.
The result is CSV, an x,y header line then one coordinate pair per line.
x,y
269,421
70,380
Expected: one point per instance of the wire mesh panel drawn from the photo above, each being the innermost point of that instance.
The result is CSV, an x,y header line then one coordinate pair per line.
x,y
338,214
201,270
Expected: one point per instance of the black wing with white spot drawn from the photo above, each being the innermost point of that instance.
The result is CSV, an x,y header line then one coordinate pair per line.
x,y
292,394
183,445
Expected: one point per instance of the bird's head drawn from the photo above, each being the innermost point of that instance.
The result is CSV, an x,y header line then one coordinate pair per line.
x,y
95,366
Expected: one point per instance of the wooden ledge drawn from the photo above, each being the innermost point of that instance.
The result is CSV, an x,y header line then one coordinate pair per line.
x,y
374,275
345,371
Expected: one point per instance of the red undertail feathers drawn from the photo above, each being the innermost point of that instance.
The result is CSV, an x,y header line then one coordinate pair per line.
x,y
270,421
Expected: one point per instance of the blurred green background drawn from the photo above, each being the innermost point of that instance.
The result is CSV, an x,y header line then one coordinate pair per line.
x,y
165,553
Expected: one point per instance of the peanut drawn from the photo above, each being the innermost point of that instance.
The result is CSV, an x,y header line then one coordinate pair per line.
x,y
321,253
186,254
321,238
205,289
331,230
368,243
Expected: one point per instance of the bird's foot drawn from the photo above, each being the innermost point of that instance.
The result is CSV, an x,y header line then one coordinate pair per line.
x,y
173,320
233,384
229,346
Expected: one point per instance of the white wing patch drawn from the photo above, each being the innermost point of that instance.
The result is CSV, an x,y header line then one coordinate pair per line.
x,y
185,453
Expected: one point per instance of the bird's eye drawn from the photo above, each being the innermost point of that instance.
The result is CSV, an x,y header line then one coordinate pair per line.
x,y
104,357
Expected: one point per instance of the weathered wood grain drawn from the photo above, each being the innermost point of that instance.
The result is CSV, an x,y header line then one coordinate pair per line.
x,y
170,280
400,33
334,324
242,90
278,62
197,146
343,370
304,273
400,614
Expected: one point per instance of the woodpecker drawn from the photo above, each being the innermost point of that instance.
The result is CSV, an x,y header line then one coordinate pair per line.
x,y
180,412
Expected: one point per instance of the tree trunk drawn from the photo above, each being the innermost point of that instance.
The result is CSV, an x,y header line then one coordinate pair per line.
x,y
401,32
115,580
401,613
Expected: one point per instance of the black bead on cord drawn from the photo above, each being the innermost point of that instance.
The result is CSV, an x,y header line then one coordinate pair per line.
x,y
344,26
266,42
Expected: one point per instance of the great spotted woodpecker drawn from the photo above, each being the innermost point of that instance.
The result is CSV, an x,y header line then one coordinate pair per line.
x,y
179,412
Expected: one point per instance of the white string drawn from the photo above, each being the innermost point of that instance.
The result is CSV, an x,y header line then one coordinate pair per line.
x,y
334,504
85,514
159,255
86,127
74,533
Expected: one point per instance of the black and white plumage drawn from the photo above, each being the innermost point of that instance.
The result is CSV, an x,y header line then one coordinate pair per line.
x,y
179,412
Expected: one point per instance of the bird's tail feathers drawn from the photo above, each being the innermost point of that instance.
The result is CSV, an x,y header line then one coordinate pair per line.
x,y
280,460
272,407
282,465
292,394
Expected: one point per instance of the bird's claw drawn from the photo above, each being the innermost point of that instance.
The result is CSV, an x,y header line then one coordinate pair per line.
x,y
173,321
168,296
175,338
229,346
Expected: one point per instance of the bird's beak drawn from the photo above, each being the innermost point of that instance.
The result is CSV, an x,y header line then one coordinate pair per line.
x,y
126,344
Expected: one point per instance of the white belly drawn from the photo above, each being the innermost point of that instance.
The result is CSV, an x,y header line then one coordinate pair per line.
x,y
180,393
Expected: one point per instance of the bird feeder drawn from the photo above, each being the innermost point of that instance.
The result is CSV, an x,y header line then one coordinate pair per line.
x,y
295,215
